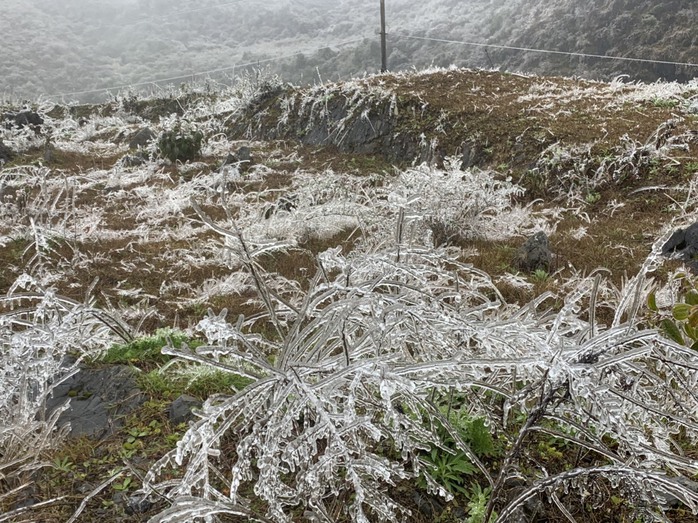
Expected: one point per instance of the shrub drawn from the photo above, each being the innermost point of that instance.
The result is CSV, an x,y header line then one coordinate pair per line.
x,y
181,143
345,373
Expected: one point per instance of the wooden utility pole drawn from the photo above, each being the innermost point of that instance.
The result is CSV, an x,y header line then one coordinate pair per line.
x,y
384,47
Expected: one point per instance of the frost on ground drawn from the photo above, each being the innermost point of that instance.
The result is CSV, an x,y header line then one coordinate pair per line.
x,y
373,313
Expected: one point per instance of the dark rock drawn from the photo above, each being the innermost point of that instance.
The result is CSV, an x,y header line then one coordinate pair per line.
x,y
244,154
23,119
428,505
530,509
231,159
28,118
6,154
241,158
141,139
138,504
285,203
684,245
181,409
49,153
534,254
132,160
99,397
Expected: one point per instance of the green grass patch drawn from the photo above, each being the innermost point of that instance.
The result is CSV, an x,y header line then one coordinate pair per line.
x,y
199,382
148,349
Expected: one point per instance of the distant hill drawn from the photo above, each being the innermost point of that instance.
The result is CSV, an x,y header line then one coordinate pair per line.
x,y
74,46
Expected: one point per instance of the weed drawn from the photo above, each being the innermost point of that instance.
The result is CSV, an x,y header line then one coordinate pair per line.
x,y
196,380
592,197
540,276
123,485
63,464
478,499
667,103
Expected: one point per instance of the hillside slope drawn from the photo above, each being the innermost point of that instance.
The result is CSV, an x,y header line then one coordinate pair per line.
x,y
67,47
335,274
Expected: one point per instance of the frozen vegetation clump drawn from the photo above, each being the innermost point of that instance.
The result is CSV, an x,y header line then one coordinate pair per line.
x,y
457,205
38,332
345,375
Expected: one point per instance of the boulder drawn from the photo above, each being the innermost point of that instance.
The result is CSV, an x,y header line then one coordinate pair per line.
x,y
23,119
534,254
683,244
99,398
182,409
142,138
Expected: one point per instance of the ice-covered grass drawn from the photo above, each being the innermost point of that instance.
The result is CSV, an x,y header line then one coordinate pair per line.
x,y
349,368
43,337
387,315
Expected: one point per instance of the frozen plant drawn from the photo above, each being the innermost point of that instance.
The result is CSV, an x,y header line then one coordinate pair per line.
x,y
337,384
457,205
38,331
340,407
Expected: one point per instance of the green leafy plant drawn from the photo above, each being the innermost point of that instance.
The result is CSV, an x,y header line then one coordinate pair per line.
x,y
124,485
477,504
446,464
180,144
682,326
63,464
540,275
592,197
147,348
665,102
449,468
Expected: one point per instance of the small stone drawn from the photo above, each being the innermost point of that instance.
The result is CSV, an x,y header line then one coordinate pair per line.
x,y
534,254
244,154
684,245
181,409
6,154
132,160
98,400
138,504
471,155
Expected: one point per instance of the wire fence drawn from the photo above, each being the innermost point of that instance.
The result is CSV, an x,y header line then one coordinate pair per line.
x,y
396,35
544,51
197,74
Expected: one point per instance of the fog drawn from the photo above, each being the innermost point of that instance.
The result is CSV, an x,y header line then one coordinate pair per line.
x,y
88,49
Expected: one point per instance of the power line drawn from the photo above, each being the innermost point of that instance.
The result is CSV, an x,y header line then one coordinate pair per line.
x,y
546,51
203,73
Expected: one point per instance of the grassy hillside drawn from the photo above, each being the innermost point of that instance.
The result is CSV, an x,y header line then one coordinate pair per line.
x,y
336,269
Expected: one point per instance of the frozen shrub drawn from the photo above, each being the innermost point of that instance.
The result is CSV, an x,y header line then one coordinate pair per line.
x,y
340,407
180,143
456,205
